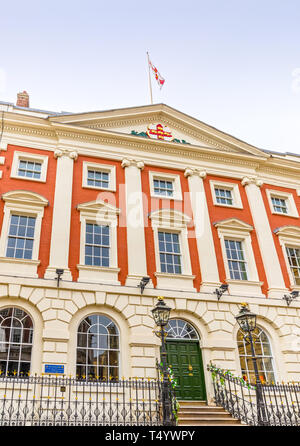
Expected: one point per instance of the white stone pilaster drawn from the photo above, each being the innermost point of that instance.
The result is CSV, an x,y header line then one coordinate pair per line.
x,y
204,237
137,264
276,285
60,235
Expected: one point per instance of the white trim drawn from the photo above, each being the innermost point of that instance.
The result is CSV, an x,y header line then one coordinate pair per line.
x,y
235,193
99,212
27,204
177,194
173,221
18,156
289,236
289,199
234,229
111,170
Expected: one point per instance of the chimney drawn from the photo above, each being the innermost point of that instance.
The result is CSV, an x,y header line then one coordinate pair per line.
x,y
23,99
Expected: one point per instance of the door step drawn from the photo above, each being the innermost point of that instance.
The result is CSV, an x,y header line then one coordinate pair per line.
x,y
199,413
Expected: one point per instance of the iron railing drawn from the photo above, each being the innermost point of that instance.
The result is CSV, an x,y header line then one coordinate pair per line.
x,y
281,402
65,401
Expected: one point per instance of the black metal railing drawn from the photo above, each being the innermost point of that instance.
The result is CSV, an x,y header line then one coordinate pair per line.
x,y
281,402
65,401
170,403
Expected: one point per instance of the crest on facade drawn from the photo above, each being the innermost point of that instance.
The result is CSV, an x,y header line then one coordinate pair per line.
x,y
159,131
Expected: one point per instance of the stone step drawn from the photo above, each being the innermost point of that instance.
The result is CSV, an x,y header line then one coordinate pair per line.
x,y
199,415
208,422
201,409
192,402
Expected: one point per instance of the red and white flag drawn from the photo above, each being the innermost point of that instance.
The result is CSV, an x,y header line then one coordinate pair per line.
x,y
160,80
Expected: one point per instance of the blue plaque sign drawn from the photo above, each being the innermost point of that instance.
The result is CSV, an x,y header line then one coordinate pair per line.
x,y
54,369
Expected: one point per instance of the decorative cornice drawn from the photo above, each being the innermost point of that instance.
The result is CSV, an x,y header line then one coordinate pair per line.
x,y
168,122
252,180
128,162
189,171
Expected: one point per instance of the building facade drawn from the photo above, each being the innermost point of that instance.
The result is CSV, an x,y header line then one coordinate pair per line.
x,y
93,202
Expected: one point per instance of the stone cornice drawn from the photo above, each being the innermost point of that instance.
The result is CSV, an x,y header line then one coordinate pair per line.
x,y
164,114
50,135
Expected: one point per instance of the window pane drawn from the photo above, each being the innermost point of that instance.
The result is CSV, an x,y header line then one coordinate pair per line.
x,y
16,335
263,353
101,351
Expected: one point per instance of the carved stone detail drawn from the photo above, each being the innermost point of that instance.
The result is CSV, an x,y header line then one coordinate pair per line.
x,y
195,171
252,180
66,152
127,162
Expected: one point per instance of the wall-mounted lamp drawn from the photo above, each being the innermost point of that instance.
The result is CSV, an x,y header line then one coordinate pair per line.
x,y
289,297
59,273
144,281
221,290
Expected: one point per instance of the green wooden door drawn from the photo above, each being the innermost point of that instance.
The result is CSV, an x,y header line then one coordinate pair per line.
x,y
186,361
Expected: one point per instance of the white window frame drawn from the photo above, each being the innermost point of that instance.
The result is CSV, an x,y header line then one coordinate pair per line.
x,y
289,236
169,220
20,156
99,212
235,229
177,194
235,193
111,170
26,204
290,202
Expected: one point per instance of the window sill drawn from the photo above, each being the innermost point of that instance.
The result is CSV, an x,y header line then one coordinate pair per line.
x,y
161,197
98,274
181,282
108,189
37,180
245,287
284,215
234,206
19,267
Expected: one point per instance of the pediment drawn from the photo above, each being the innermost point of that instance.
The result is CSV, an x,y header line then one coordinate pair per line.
x,y
98,207
288,231
144,123
169,217
24,197
233,224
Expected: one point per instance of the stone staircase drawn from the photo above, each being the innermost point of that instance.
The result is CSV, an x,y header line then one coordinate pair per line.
x,y
198,413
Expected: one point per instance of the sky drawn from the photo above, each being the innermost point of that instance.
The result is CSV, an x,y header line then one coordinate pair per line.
x,y
233,64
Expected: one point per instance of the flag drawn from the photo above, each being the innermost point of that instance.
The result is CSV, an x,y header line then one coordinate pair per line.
x,y
160,80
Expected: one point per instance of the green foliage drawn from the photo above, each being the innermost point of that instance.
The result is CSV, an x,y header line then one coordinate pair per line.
x,y
222,373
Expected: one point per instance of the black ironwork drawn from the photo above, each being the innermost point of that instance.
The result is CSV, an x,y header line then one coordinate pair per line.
x,y
221,290
59,273
247,323
169,402
290,297
239,398
161,314
143,283
65,401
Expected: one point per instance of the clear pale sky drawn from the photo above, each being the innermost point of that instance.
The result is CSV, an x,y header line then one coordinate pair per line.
x,y
234,64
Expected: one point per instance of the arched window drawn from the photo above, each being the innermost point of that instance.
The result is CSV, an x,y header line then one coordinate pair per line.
x,y
179,329
98,348
16,333
263,353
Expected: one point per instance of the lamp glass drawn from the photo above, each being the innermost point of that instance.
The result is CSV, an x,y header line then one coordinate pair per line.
x,y
161,313
246,320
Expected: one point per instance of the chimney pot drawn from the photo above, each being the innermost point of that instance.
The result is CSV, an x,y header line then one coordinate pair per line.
x,y
23,99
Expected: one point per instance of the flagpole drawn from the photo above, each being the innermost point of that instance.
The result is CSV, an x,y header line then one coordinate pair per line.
x,y
150,85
